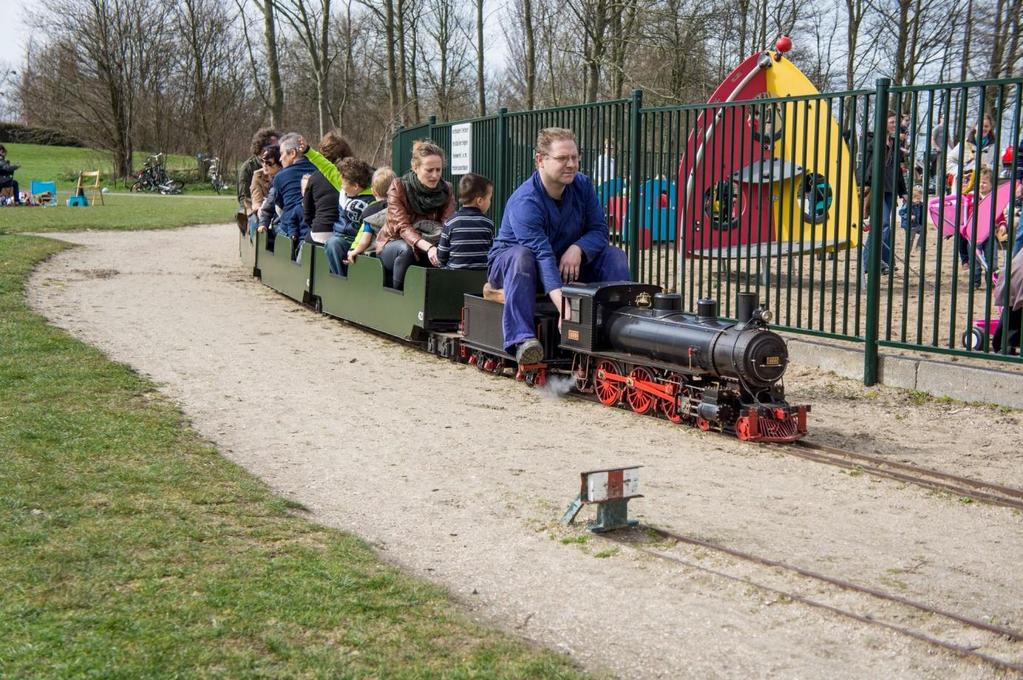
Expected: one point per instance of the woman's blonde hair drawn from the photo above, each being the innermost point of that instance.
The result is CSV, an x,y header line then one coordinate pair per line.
x,y
421,148
548,136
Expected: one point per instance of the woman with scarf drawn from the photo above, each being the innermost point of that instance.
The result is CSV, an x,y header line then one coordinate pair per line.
x,y
418,204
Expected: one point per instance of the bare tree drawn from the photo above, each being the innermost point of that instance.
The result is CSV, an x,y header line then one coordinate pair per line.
x,y
272,63
109,50
310,19
481,91
448,64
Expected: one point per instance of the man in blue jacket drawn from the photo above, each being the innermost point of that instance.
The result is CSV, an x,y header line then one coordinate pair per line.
x,y
287,186
553,232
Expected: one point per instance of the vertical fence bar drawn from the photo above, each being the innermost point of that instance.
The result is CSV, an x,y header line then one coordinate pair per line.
x,y
870,372
500,180
635,177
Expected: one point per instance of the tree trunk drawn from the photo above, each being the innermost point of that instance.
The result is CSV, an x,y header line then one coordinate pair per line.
x,y
527,20
964,68
899,75
273,65
392,65
413,69
403,85
481,91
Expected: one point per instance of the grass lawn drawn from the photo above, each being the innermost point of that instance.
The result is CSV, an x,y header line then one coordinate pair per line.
x,y
63,163
141,211
129,548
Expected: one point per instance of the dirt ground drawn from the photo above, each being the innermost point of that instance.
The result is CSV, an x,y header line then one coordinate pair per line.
x,y
461,477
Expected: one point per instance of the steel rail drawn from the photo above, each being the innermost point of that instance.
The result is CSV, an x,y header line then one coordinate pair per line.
x,y
1008,633
986,492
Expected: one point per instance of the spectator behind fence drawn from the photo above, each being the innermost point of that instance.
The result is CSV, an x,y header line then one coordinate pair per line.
x,y
966,246
604,168
417,205
263,138
911,216
287,185
7,175
467,236
320,200
893,187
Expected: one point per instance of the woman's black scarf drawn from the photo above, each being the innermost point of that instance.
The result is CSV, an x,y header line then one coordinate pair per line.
x,y
421,199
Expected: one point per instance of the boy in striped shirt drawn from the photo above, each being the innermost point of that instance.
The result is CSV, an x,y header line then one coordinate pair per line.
x,y
468,233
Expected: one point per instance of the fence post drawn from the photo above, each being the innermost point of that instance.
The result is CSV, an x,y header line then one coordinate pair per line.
x,y
430,122
635,176
500,190
872,273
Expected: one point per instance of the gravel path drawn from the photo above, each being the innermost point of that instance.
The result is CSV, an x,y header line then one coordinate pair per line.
x,y
461,477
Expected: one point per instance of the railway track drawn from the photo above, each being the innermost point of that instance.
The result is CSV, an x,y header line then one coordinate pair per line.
x,y
878,466
964,487
964,623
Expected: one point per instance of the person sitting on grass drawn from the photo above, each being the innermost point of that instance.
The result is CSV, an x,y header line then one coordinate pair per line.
x,y
7,175
468,233
356,178
375,214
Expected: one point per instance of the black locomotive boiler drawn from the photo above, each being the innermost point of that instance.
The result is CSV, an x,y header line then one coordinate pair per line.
x,y
630,343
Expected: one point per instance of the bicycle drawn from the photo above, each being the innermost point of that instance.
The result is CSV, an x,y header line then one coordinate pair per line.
x,y
213,173
153,177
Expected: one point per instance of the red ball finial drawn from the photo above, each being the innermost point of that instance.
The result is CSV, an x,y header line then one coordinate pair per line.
x,y
783,44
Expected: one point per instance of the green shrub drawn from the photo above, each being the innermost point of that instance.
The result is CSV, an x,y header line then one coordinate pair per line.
x,y
15,133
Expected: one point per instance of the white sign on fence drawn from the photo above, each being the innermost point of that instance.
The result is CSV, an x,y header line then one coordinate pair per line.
x,y
461,149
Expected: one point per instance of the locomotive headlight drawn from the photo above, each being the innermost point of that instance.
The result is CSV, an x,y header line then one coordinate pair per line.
x,y
765,315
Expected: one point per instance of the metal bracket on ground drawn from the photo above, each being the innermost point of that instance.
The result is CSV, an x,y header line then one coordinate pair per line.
x,y
611,490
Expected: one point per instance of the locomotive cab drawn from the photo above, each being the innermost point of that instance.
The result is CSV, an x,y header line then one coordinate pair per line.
x,y
588,306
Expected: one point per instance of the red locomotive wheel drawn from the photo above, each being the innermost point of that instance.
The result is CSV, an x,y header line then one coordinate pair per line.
x,y
609,391
640,401
670,409
702,423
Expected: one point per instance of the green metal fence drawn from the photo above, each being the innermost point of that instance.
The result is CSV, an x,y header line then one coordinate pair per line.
x,y
776,195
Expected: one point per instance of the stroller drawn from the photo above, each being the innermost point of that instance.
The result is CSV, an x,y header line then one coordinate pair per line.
x,y
973,338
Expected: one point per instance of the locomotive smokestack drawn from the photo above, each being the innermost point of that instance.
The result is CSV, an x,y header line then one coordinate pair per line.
x,y
707,308
748,302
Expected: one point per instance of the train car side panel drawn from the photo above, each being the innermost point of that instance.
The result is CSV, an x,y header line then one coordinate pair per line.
x,y
280,272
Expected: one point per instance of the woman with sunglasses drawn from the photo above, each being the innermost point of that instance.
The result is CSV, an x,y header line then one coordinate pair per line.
x,y
270,165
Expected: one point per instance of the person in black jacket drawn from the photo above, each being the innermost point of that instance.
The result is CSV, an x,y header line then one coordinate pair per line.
x,y
321,198
893,187
7,175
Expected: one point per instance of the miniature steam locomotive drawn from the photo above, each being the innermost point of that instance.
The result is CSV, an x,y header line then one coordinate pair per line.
x,y
631,344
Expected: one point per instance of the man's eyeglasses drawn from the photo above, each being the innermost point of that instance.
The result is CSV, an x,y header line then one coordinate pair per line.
x,y
563,160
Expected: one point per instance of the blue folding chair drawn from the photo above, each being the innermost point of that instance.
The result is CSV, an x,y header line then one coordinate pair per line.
x,y
44,188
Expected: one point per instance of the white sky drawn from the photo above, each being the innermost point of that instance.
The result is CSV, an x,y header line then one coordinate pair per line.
x,y
14,34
